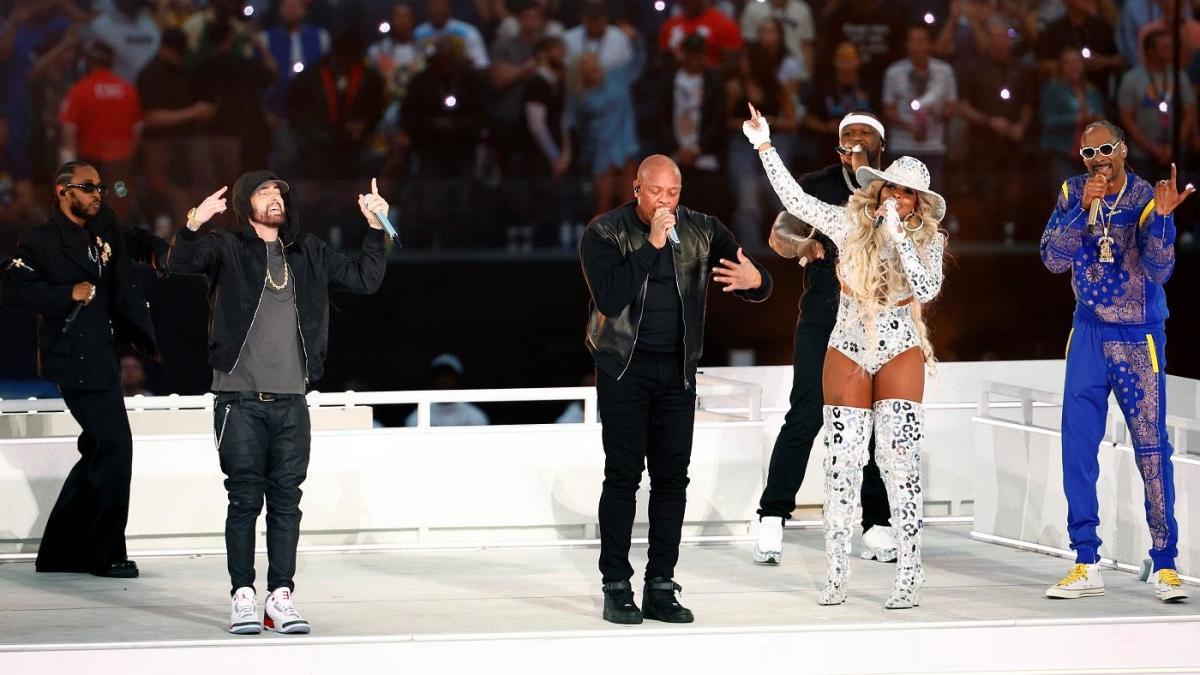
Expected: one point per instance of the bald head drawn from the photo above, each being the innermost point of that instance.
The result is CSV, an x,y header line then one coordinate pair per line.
x,y
658,185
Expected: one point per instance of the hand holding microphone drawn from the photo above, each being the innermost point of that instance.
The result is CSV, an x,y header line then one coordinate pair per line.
x,y
888,217
1093,196
82,293
662,228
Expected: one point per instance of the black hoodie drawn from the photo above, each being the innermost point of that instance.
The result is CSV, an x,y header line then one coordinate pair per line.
x,y
236,267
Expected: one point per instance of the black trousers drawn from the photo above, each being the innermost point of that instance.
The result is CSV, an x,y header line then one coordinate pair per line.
x,y
801,424
264,450
86,529
647,418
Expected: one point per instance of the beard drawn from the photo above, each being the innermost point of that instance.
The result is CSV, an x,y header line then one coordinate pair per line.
x,y
265,217
81,209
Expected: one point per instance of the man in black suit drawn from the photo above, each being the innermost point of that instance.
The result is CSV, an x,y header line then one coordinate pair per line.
x,y
76,273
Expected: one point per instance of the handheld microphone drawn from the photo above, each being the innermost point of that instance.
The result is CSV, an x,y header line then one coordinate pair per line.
x,y
72,316
387,226
671,234
1094,209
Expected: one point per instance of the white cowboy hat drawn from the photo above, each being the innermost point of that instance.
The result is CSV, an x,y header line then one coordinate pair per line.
x,y
908,172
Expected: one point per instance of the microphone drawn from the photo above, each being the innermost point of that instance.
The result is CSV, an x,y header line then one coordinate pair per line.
x,y
72,316
671,234
889,205
1094,209
387,225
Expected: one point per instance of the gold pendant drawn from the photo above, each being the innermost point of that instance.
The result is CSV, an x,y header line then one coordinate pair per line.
x,y
1106,254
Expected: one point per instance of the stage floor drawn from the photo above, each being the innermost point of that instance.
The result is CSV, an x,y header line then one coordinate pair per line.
x,y
497,594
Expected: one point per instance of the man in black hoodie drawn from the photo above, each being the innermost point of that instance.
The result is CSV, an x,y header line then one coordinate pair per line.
x,y
76,273
269,297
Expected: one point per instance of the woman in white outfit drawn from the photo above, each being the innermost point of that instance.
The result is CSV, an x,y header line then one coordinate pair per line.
x,y
890,264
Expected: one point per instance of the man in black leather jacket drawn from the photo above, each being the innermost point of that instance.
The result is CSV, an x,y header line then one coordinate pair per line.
x,y
647,265
76,273
269,295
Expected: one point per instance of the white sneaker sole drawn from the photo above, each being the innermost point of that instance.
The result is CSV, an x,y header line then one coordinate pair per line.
x,y
885,555
1173,595
246,628
767,557
1068,594
296,628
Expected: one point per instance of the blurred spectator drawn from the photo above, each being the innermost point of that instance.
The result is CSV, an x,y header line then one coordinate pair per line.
x,y
876,28
1146,105
172,13
613,46
513,63
756,81
294,46
16,191
1083,29
544,107
440,22
963,36
1135,15
445,374
173,117
919,95
101,118
237,138
997,102
721,36
229,14
1068,103
796,20
444,112
55,70
133,376
690,123
129,28
334,108
832,98
602,112
1189,29
32,23
789,69
397,59
511,24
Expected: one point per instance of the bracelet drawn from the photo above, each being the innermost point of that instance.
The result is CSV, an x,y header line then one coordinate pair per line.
x,y
191,220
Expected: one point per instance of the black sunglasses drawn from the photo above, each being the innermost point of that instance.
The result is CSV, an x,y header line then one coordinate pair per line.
x,y
89,188
1105,150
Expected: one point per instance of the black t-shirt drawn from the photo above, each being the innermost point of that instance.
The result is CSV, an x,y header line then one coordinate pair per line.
x,y
553,95
830,101
165,86
819,302
984,84
877,29
659,331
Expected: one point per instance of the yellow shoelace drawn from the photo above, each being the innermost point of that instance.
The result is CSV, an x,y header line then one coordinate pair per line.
x,y
1078,573
1169,577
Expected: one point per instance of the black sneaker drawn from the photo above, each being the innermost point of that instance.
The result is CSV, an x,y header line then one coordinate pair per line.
x,y
618,603
659,603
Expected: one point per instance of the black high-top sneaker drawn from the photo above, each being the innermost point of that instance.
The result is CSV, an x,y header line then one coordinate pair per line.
x,y
619,606
659,603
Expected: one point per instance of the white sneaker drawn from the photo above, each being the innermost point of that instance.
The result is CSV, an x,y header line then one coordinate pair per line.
x,y
768,550
1081,581
243,617
281,615
1167,586
879,543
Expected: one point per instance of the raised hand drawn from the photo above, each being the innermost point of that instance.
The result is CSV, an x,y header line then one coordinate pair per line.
x,y
211,206
1167,195
372,203
737,276
757,131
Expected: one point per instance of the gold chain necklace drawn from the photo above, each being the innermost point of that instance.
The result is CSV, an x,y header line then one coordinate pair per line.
x,y
271,280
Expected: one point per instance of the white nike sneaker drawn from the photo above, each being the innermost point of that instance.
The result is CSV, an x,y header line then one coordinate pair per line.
x,y
243,617
879,543
1168,587
768,550
1082,580
281,615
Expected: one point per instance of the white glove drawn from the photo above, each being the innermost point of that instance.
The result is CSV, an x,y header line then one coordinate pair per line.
x,y
757,131
891,221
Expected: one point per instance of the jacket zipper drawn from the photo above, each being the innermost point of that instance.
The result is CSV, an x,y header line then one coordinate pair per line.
x,y
261,293
682,321
299,324
638,328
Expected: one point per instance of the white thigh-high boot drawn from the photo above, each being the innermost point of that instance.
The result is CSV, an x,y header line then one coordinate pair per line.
x,y
899,435
847,434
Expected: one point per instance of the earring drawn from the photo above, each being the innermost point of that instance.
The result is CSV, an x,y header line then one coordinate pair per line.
x,y
910,217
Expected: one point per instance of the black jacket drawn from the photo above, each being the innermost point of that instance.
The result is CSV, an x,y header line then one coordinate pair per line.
x,y
712,137
819,302
617,259
51,259
236,267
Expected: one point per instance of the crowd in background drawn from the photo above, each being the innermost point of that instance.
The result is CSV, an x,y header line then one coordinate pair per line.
x,y
509,123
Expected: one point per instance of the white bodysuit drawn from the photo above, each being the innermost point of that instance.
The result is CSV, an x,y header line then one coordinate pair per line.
x,y
894,331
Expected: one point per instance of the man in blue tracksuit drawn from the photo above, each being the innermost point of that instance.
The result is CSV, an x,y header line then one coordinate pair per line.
x,y
1119,261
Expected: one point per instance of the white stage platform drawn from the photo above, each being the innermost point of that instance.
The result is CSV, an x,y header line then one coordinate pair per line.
x,y
537,610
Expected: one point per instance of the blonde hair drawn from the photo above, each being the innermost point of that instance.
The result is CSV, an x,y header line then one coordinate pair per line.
x,y
872,279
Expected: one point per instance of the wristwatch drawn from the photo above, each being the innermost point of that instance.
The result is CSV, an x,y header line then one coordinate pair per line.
x,y
191,220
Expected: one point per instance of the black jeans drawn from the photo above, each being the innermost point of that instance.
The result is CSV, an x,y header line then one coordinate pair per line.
x,y
647,418
801,424
86,529
264,448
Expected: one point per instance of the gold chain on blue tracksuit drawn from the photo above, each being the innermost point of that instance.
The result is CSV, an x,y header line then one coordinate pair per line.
x,y
1117,344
